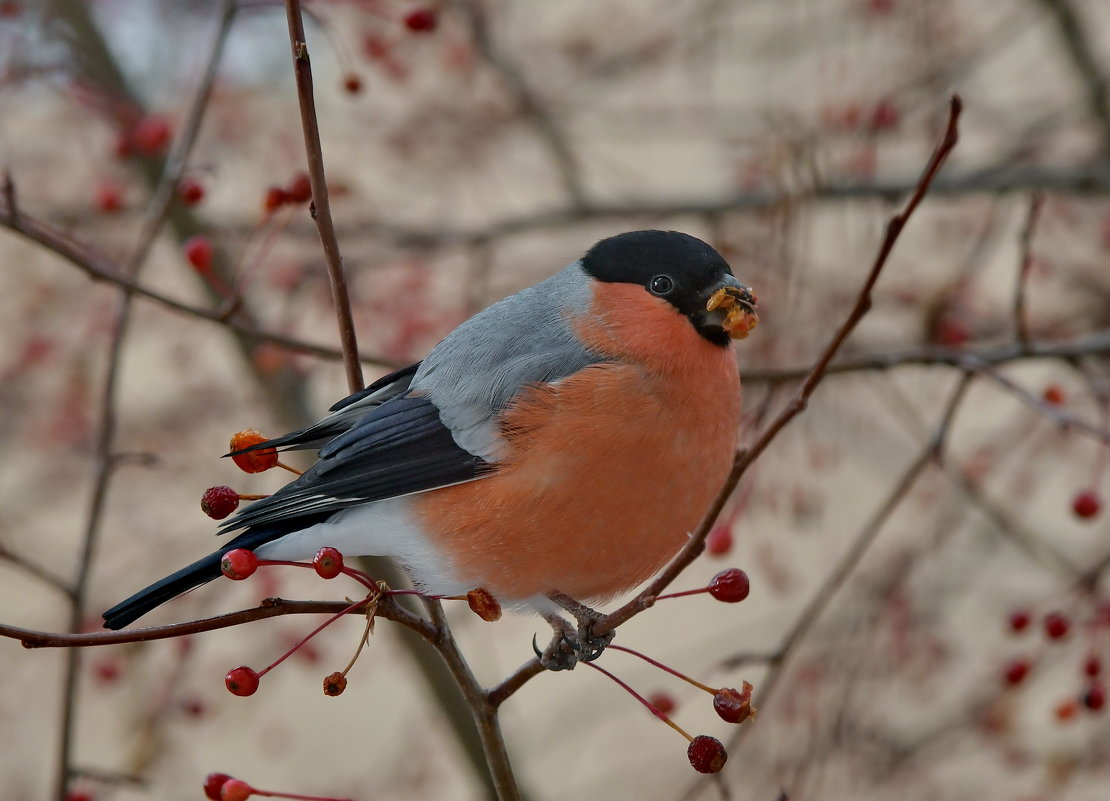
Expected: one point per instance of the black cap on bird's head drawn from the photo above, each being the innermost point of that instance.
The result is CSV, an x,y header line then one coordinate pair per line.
x,y
682,270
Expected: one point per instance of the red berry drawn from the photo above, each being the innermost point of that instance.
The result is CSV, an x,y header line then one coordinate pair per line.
x,y
212,784
1019,620
1015,672
241,681
352,83
484,605
1095,697
730,586
79,795
109,197
235,790
733,705
422,20
951,332
719,541
151,134
299,189
885,116
254,461
663,702
328,562
191,191
219,502
107,671
1066,710
1086,505
1056,625
1092,666
1053,395
706,754
198,251
335,684
238,564
275,198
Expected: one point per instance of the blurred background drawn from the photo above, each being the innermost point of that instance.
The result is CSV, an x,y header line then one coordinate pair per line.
x,y
924,622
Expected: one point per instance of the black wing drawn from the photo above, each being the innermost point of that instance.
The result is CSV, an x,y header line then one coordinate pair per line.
x,y
396,448
344,415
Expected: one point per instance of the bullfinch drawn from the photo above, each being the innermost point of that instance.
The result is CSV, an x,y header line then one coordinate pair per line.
x,y
566,440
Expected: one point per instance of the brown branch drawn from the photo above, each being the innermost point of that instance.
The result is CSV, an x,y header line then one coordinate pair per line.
x,y
1026,262
321,206
271,607
745,458
99,266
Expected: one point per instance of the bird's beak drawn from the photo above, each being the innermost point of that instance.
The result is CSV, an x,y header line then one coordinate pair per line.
x,y
733,306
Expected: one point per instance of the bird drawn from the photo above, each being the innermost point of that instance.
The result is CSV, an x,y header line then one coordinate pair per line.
x,y
561,444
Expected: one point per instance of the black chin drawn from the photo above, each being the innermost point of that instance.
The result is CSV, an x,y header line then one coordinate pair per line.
x,y
711,331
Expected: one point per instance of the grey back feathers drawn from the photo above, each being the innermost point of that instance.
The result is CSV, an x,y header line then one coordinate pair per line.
x,y
524,339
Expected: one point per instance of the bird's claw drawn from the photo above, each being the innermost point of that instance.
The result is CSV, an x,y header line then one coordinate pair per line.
x,y
567,648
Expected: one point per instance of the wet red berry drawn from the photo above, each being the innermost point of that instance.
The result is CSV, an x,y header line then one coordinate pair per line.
x,y
235,790
328,562
422,20
734,705
152,134
241,681
1056,625
335,684
1086,505
219,502
1095,697
198,251
719,541
191,191
730,586
662,701
255,461
484,605
238,564
1020,619
1015,672
213,782
706,754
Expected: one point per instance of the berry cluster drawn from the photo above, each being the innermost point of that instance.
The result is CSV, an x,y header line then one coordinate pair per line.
x,y
1057,627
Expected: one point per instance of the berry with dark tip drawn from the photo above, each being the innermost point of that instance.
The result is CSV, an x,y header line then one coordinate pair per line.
x,y
730,586
238,564
242,681
219,502
213,783
706,754
1015,672
1095,697
328,562
335,684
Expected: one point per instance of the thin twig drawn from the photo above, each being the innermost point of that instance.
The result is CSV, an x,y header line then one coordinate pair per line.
x,y
321,207
1021,325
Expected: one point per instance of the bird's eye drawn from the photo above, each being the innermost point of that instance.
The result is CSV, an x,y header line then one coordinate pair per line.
x,y
661,285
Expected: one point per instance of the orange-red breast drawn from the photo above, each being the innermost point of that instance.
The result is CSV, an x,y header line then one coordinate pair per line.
x,y
567,438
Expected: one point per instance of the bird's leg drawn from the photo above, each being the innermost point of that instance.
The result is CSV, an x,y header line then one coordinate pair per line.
x,y
562,652
588,644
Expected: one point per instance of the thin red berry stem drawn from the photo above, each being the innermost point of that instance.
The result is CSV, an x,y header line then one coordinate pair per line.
x,y
312,634
650,706
661,666
362,578
681,594
272,794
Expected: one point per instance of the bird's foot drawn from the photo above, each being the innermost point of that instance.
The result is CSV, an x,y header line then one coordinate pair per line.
x,y
571,645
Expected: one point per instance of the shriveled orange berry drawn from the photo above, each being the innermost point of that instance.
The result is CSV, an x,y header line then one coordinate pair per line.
x,y
253,461
484,605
